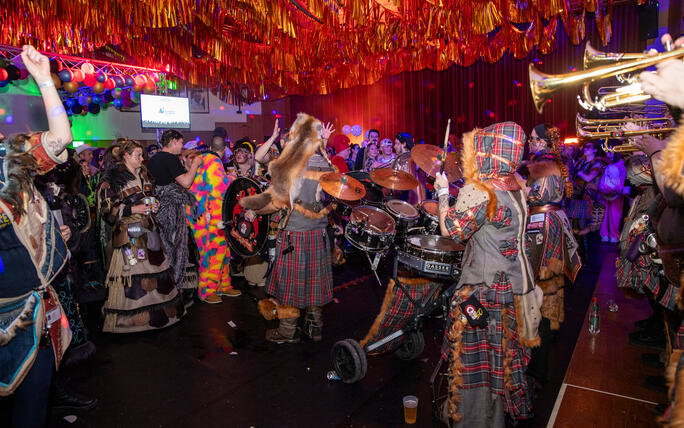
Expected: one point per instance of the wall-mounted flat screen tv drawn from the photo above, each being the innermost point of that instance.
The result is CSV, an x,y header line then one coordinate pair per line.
x,y
164,112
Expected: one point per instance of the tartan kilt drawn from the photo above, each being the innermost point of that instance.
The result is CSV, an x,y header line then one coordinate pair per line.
x,y
579,209
397,309
302,277
639,275
482,352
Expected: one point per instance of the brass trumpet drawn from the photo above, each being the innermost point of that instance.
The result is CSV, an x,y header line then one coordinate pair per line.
x,y
620,133
594,57
582,122
621,148
543,86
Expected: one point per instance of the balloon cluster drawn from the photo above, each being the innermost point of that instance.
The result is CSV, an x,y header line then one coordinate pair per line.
x,y
89,89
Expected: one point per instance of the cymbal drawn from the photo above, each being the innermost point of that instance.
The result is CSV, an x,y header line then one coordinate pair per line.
x,y
393,179
427,157
342,186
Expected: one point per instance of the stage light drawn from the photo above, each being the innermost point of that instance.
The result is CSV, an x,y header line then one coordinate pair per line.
x,y
570,141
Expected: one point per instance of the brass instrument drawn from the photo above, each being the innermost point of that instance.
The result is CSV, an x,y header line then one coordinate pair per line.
x,y
621,148
615,133
543,85
582,122
594,57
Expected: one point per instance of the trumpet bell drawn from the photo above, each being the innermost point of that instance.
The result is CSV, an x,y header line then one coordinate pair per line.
x,y
543,85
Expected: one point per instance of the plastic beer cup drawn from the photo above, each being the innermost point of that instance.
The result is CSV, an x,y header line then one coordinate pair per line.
x,y
410,409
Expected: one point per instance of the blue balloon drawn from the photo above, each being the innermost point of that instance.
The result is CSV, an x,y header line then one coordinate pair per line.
x,y
65,75
101,76
97,99
118,103
3,83
83,100
128,80
76,109
119,81
70,102
94,108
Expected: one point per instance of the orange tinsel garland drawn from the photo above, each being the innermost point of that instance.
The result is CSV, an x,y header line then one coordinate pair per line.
x,y
297,47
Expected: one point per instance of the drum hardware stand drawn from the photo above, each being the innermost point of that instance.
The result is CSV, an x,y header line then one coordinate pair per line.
x,y
374,264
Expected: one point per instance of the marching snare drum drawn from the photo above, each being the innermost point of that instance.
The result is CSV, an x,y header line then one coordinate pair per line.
x,y
431,255
405,215
370,229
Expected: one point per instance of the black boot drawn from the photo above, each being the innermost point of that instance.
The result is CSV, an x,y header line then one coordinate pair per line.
x,y
63,402
313,323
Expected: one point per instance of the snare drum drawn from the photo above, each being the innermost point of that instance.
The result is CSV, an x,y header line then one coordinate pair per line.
x,y
370,229
431,255
405,215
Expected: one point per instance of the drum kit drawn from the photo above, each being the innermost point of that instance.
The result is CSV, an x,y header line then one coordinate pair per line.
x,y
376,225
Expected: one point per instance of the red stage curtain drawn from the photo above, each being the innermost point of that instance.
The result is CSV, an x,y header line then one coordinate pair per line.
x,y
421,102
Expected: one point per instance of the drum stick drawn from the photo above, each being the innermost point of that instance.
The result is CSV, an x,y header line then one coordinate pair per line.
x,y
444,149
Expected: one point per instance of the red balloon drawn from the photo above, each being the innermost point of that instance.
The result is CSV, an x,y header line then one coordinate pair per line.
x,y
87,68
137,88
98,87
3,74
78,75
110,83
90,80
149,87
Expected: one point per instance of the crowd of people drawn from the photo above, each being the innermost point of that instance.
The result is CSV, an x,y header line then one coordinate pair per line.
x,y
130,235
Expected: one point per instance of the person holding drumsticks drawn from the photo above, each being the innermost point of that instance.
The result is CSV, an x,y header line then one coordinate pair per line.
x,y
495,310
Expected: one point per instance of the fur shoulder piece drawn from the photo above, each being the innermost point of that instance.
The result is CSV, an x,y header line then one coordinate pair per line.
x,y
543,168
671,164
471,173
117,177
470,196
289,168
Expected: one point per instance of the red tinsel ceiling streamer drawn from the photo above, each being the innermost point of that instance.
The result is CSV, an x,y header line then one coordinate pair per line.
x,y
298,46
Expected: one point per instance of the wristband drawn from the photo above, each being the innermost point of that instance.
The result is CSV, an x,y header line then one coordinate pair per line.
x,y
47,84
442,192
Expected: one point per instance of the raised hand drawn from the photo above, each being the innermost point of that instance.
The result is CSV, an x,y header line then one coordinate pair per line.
x,y
327,131
36,64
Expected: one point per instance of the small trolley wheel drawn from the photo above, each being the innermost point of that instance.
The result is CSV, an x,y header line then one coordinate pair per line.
x,y
411,347
349,360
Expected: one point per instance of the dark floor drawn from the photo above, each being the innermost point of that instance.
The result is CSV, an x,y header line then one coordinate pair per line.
x,y
205,373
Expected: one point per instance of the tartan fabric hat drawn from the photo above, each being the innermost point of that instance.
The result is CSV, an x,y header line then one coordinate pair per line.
x,y
499,149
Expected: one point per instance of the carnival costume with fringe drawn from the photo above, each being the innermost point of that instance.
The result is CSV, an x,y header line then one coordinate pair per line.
x,y
487,365
32,255
142,296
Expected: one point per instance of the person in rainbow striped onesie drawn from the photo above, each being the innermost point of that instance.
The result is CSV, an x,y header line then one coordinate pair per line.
x,y
209,186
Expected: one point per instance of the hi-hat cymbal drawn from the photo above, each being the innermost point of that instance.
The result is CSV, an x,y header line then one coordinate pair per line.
x,y
342,186
428,158
393,179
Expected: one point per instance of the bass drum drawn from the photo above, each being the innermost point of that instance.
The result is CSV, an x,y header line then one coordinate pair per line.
x,y
80,210
245,238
